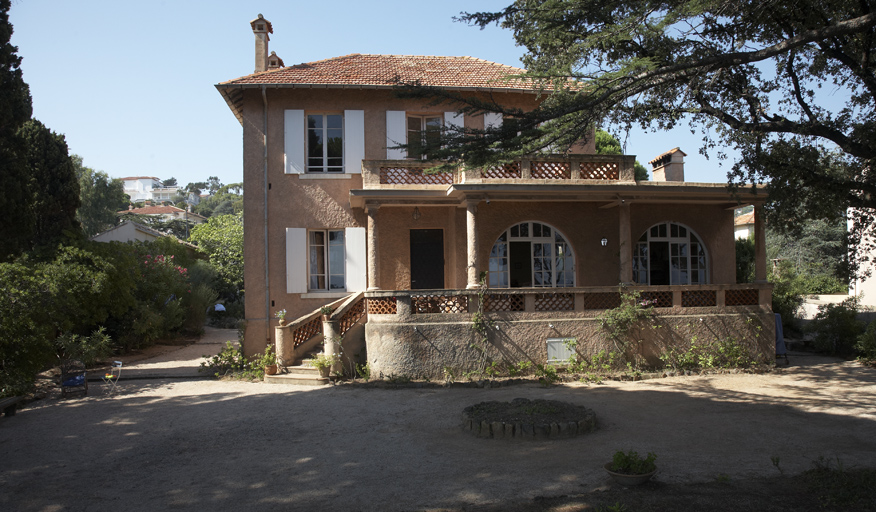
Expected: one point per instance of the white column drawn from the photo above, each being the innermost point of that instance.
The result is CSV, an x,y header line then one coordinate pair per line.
x,y
760,271
471,237
373,275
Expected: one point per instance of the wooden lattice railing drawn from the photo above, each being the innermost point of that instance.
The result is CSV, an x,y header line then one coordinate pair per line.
x,y
560,300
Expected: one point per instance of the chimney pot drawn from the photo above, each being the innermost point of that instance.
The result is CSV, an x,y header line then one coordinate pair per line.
x,y
262,29
669,166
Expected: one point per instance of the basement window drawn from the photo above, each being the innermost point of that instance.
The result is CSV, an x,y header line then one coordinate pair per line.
x,y
559,351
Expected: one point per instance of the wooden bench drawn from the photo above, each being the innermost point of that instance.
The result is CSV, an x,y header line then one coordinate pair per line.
x,y
8,405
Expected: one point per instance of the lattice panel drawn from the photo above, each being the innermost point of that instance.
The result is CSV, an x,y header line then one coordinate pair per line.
x,y
601,300
698,298
386,306
600,171
307,331
510,170
421,304
664,299
503,302
551,170
352,316
741,298
408,176
554,302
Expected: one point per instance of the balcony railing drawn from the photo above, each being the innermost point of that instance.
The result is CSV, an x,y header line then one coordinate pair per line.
x,y
540,169
591,300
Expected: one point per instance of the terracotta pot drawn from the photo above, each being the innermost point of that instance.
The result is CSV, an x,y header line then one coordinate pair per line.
x,y
271,369
628,480
324,372
282,321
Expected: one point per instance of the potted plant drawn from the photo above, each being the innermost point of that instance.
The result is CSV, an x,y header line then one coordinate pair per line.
x,y
281,315
324,363
269,361
326,311
629,469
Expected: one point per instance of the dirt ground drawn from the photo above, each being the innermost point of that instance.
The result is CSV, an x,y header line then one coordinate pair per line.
x,y
189,444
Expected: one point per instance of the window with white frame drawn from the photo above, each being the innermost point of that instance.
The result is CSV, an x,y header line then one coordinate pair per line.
x,y
325,143
531,254
424,134
326,259
669,254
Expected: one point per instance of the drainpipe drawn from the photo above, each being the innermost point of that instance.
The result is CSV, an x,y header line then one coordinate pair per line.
x,y
267,274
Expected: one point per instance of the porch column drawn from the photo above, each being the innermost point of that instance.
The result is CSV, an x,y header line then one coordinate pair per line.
x,y
625,246
760,270
471,238
373,281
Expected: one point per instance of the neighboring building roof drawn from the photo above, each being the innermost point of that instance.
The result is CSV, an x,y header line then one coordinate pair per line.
x,y
153,210
364,71
139,178
151,234
744,219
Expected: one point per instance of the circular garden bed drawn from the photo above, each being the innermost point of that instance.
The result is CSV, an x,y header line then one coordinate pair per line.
x,y
522,418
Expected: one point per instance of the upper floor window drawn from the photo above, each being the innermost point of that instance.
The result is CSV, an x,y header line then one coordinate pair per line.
x,y
669,254
325,143
424,134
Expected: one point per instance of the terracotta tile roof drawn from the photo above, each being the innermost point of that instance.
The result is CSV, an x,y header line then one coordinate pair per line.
x,y
744,219
389,70
153,210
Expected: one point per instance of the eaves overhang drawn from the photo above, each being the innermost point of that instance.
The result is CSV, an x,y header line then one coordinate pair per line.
x,y
609,194
233,93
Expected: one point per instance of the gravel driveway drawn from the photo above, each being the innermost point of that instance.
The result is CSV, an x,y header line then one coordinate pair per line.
x,y
191,444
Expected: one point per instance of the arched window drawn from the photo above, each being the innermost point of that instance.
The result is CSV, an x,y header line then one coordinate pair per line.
x,y
531,254
669,253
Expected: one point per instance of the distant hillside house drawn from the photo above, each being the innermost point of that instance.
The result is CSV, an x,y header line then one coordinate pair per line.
x,y
166,213
148,188
130,231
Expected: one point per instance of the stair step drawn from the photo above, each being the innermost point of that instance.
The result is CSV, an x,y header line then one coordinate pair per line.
x,y
291,379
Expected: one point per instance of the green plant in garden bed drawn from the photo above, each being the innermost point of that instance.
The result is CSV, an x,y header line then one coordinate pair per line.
x,y
631,463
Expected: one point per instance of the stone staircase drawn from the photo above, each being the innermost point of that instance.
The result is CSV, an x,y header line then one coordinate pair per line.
x,y
298,375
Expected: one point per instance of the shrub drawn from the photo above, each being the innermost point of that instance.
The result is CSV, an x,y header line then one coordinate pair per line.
x,y
788,291
865,345
836,327
88,349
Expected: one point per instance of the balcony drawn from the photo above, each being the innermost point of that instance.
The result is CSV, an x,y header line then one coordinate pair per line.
x,y
544,169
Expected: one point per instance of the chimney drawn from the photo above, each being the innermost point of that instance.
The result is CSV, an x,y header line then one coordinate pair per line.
x,y
669,166
275,62
261,28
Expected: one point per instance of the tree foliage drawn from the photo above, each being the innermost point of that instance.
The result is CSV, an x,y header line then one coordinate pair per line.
x,y
221,238
53,185
16,221
100,196
789,85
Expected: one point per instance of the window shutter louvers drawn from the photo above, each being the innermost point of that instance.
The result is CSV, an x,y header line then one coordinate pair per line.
x,y
396,134
296,260
293,141
357,259
354,141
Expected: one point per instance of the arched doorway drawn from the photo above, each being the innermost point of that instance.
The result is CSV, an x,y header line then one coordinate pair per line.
x,y
670,254
531,254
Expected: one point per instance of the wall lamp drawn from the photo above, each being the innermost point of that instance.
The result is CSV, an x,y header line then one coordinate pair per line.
x,y
604,241
416,214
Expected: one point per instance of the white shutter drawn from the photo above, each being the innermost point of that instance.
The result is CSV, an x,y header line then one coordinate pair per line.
x,y
395,134
296,260
492,120
357,259
354,141
293,139
454,120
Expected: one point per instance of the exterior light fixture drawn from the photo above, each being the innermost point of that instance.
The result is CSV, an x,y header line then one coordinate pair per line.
x,y
416,214
604,241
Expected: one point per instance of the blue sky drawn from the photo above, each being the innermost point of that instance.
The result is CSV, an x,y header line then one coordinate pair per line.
x,y
130,84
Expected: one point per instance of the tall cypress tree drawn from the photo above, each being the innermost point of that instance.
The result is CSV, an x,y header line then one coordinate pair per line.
x,y
16,218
